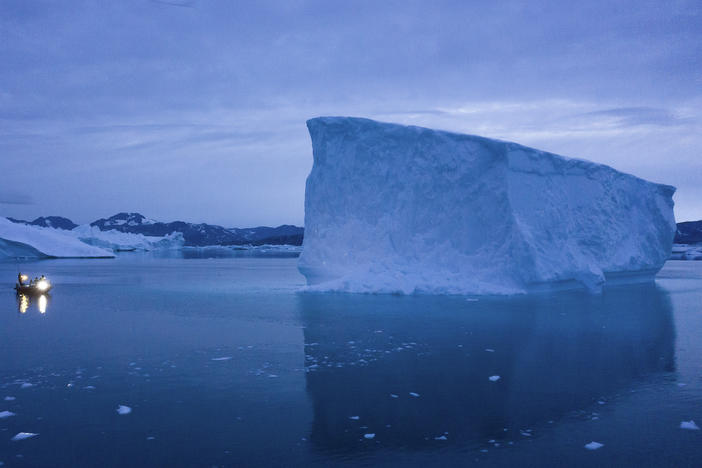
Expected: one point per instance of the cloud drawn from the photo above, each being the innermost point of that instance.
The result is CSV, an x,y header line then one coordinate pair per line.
x,y
8,197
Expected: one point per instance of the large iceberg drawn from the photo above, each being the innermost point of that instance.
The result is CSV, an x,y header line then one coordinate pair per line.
x,y
398,209
26,241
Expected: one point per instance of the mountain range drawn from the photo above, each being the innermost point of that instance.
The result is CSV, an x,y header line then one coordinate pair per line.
x,y
688,232
194,234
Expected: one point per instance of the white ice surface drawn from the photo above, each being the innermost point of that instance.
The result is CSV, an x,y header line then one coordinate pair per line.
x,y
369,436
21,240
689,425
396,209
122,409
594,445
6,414
494,378
117,240
24,435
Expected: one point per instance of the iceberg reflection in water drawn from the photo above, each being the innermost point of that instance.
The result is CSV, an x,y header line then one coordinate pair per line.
x,y
557,357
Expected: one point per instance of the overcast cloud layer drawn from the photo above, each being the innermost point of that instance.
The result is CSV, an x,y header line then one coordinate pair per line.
x,y
196,110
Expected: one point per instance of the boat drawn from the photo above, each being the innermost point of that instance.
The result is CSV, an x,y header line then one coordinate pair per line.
x,y
34,287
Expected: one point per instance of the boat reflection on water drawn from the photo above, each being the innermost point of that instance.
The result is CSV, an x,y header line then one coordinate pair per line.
x,y
24,302
413,370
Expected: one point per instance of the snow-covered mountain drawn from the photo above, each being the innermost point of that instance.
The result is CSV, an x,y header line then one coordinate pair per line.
x,y
689,232
202,234
56,222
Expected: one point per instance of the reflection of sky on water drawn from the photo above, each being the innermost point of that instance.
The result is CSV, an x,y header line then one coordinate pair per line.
x,y
555,355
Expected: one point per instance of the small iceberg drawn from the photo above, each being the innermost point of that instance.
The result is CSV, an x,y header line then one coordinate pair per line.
x,y
494,378
223,358
23,435
690,425
6,414
416,395
122,410
369,436
594,445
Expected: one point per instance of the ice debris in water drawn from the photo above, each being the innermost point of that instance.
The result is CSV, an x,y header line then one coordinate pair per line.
x,y
689,425
6,414
441,437
223,358
23,435
392,395
9,398
369,436
26,385
494,378
416,395
355,418
594,445
489,350
122,409
402,209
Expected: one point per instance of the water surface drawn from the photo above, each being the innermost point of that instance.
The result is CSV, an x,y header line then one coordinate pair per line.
x,y
224,363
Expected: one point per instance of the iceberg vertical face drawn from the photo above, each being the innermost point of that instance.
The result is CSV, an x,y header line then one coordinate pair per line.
x,y
390,208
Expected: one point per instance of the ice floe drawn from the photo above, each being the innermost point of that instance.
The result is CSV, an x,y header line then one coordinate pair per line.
x,y
689,425
24,435
594,445
494,378
369,436
122,409
6,414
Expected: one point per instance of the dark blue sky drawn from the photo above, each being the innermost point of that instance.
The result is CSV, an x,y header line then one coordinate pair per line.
x,y
196,110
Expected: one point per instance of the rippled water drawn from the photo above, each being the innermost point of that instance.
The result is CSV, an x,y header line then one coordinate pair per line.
x,y
223,363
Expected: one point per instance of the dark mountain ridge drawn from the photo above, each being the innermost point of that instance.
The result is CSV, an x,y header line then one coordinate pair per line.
x,y
203,234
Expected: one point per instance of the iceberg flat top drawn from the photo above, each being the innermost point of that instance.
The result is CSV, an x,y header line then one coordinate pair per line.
x,y
392,208
22,239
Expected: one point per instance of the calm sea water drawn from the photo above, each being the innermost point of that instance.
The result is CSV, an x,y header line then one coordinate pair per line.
x,y
224,363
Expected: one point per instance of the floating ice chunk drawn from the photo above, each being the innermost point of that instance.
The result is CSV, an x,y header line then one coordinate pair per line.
x,y
392,395
402,209
9,398
416,395
594,445
89,387
355,418
150,438
23,435
6,414
26,385
122,409
441,437
494,378
369,436
689,425
489,350
223,358
601,402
